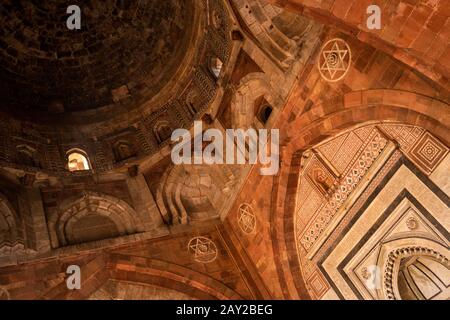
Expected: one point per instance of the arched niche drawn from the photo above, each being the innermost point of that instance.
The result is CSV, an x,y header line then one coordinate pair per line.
x,y
123,150
249,102
414,269
423,278
310,128
10,235
94,216
92,227
333,174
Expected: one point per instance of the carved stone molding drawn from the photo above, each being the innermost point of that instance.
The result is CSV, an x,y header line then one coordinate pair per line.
x,y
390,271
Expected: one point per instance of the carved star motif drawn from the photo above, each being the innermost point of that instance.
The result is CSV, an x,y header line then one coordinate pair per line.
x,y
203,249
247,219
4,295
335,60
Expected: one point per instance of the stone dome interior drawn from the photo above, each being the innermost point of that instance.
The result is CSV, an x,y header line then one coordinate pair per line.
x,y
125,52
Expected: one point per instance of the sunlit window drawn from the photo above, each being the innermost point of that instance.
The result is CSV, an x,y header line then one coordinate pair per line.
x,y
216,66
78,161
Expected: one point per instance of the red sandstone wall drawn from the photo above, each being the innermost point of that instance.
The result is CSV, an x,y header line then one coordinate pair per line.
x,y
303,122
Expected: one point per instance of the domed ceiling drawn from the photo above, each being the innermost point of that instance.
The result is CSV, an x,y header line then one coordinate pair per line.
x,y
125,53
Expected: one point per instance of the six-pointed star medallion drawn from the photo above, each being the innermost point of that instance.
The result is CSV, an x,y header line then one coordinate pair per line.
x,y
203,249
335,60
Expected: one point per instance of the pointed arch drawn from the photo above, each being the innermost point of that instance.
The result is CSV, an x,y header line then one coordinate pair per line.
x,y
118,211
329,119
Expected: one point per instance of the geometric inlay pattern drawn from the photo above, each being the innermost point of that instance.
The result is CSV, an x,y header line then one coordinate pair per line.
x,y
335,60
203,249
428,152
247,219
405,135
318,284
344,150
329,149
348,183
345,245
389,164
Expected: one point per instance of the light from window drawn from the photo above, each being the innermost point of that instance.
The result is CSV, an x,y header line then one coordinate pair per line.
x,y
78,162
216,66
